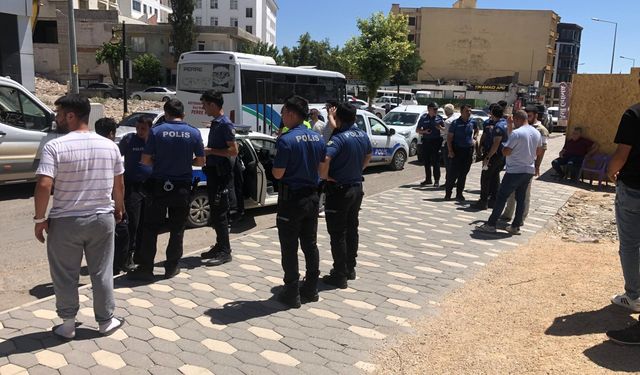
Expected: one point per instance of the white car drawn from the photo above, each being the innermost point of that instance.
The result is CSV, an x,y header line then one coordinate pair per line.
x,y
404,119
361,104
389,102
154,93
479,114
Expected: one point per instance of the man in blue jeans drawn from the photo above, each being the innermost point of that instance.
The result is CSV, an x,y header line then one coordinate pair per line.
x,y
625,169
522,149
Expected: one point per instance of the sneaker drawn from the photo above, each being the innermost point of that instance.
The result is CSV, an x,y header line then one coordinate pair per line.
x,y
128,265
352,274
211,252
513,230
140,275
460,198
486,228
335,280
290,296
480,205
218,258
626,302
626,336
171,272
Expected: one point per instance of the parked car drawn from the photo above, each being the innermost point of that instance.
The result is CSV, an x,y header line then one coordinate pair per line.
x,y
154,93
101,90
479,114
361,104
554,112
404,119
388,102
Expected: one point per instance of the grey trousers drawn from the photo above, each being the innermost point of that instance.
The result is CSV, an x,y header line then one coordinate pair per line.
x,y
68,239
511,204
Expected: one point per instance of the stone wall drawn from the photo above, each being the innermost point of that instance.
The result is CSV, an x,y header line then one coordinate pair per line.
x,y
598,102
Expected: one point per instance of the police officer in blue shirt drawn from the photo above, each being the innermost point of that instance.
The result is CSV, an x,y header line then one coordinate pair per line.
x,y
493,160
348,153
429,126
221,152
299,153
460,146
170,150
135,175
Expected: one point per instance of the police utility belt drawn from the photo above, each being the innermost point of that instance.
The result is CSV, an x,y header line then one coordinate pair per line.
x,y
166,185
331,187
286,192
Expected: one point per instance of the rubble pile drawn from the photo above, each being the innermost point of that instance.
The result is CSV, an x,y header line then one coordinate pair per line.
x,y
588,216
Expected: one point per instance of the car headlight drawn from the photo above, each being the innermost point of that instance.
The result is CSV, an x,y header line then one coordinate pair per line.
x,y
405,133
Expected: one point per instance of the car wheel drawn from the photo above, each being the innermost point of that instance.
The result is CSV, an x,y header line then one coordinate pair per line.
x,y
137,97
106,95
199,210
165,99
413,148
398,160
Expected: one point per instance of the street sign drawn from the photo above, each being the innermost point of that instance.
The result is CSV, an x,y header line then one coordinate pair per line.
x,y
565,96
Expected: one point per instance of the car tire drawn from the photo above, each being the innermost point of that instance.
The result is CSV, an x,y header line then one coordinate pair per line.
x,y
199,211
136,97
165,99
398,160
106,95
413,148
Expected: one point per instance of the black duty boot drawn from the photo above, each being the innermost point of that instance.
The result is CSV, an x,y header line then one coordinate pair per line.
x,y
290,295
309,288
335,279
352,274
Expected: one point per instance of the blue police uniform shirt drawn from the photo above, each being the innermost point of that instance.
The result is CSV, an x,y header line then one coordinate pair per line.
x,y
462,132
347,150
131,147
300,151
172,146
222,131
487,132
427,122
500,130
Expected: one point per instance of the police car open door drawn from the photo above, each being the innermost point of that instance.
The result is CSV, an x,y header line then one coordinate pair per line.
x,y
382,148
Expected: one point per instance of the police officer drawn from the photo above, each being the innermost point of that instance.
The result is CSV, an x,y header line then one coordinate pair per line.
x,y
299,153
429,126
494,134
169,150
348,153
460,145
221,152
135,175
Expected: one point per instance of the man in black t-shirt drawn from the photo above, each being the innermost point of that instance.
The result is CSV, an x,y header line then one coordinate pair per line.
x,y
624,168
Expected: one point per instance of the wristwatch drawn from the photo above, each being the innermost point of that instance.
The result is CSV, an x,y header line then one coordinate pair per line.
x,y
39,221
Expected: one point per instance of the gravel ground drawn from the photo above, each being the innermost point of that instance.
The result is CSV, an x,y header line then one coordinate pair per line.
x,y
542,309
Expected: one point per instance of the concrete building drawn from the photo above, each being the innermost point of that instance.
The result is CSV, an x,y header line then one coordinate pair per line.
x,y
148,11
257,17
467,45
567,52
16,47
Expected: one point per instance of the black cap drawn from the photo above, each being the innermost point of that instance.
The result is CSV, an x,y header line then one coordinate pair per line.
x,y
432,105
531,108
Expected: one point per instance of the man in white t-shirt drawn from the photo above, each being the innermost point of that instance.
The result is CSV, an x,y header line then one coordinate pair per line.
x,y
317,125
86,170
522,150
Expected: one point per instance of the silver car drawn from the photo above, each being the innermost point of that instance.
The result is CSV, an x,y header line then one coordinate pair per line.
x,y
156,93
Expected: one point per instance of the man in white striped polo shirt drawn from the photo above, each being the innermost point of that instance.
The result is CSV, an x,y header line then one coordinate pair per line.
x,y
86,170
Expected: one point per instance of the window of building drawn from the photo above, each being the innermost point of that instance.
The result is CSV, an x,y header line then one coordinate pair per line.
x,y
233,22
213,4
198,21
233,4
84,4
144,8
138,44
214,21
46,32
249,13
249,29
411,37
201,45
198,4
412,21
136,5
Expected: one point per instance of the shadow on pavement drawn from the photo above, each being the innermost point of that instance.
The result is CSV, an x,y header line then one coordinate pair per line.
x,y
17,191
240,311
590,322
37,341
42,290
614,357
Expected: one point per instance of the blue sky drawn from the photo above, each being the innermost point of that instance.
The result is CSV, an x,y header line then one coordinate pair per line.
x,y
336,20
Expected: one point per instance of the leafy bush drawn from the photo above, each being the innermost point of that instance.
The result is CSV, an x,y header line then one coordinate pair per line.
x,y
146,69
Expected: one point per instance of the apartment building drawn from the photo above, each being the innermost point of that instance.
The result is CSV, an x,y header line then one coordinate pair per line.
x,y
257,17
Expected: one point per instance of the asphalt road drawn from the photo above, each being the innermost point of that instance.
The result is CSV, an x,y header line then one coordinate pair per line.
x,y
25,272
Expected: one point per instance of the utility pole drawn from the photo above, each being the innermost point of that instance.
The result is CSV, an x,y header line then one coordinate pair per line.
x,y
73,53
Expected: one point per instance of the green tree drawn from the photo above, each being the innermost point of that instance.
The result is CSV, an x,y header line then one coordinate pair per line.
x,y
409,68
260,48
376,54
147,69
112,55
181,20
309,52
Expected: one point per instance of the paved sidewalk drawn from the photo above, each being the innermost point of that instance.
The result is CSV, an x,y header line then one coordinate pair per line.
x,y
223,320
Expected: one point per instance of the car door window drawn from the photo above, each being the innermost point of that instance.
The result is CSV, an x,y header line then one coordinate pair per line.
x,y
35,118
377,127
16,109
360,123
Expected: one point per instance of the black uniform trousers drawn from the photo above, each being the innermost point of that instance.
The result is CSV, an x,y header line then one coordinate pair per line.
x,y
121,249
134,201
431,157
342,208
218,191
175,203
490,178
458,169
297,221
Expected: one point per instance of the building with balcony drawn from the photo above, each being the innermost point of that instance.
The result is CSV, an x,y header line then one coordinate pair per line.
x,y
257,17
567,52
466,45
